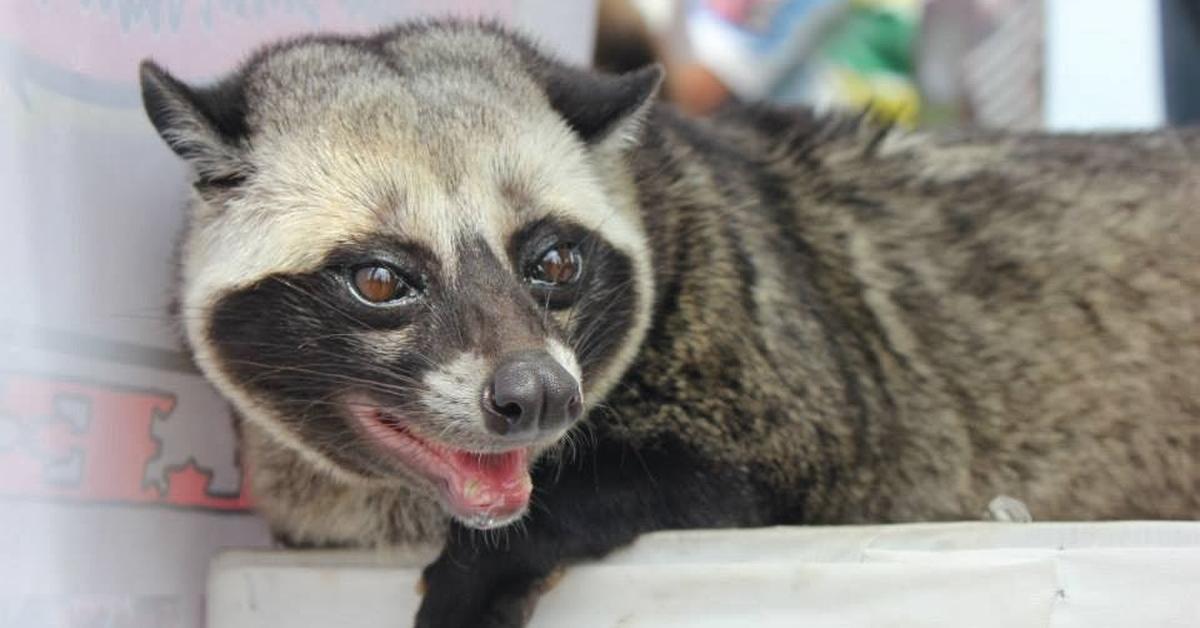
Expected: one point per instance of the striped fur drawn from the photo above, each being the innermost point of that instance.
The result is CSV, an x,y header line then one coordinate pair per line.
x,y
817,321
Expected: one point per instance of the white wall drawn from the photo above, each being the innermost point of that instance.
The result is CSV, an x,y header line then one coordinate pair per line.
x,y
1103,65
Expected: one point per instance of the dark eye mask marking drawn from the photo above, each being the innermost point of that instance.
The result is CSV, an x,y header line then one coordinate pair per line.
x,y
601,300
299,341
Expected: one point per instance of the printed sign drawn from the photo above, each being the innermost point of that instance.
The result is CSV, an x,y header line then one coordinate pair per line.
x,y
119,476
70,440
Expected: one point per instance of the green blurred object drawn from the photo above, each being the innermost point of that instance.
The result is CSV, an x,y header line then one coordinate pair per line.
x,y
874,40
868,60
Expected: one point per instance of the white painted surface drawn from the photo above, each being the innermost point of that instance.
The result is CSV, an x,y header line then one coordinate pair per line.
x,y
1057,575
1103,65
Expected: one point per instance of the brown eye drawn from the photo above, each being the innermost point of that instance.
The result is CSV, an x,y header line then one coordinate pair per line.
x,y
379,284
559,265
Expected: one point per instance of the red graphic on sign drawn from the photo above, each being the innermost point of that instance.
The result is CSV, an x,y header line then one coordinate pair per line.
x,y
189,485
89,442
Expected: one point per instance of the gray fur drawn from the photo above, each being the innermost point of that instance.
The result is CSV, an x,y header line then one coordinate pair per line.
x,y
880,326
994,315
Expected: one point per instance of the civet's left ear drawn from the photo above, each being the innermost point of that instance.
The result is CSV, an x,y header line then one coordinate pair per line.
x,y
604,109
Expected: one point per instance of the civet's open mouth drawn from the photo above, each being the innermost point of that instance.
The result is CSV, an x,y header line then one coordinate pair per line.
x,y
483,490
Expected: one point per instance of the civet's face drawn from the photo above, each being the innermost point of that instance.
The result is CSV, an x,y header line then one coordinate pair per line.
x,y
402,261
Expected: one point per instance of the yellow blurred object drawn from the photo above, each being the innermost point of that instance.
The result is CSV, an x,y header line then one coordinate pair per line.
x,y
889,98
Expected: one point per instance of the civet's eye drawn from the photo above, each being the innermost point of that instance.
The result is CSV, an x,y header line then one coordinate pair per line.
x,y
559,265
379,284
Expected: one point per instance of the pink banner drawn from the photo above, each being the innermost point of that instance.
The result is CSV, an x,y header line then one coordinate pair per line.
x,y
195,38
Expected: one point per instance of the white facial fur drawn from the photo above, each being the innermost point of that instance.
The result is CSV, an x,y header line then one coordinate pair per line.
x,y
342,147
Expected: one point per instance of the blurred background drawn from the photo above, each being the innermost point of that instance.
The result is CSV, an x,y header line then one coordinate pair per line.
x,y
119,474
1011,64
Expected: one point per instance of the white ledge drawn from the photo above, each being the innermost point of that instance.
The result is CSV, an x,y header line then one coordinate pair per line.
x,y
1010,575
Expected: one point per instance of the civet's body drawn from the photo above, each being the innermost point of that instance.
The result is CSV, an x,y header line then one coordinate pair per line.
x,y
450,282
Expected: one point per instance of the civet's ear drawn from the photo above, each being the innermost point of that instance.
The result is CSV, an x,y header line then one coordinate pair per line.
x,y
602,108
205,126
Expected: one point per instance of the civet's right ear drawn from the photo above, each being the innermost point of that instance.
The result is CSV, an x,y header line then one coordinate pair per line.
x,y
204,126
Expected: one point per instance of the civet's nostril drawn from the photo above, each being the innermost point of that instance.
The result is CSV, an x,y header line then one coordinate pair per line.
x,y
512,412
499,418
530,391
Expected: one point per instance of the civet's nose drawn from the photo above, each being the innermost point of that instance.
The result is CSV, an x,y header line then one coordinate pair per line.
x,y
530,391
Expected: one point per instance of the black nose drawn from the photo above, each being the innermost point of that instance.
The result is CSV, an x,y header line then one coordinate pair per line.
x,y
530,391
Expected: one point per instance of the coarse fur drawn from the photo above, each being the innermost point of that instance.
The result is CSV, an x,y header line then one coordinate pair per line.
x,y
806,319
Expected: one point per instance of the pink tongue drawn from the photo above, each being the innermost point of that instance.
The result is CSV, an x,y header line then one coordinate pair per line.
x,y
493,483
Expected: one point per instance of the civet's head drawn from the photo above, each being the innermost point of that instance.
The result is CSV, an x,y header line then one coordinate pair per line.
x,y
415,256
